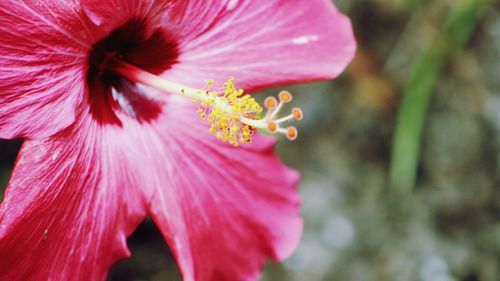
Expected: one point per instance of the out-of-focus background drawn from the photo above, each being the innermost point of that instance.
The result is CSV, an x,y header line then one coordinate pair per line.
x,y
400,156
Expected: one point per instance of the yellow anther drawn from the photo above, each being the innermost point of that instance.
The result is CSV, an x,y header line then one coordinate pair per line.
x,y
271,103
297,113
234,116
285,96
292,133
226,109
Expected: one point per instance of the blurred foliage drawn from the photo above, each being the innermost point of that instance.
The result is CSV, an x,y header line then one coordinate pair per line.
x,y
426,70
357,228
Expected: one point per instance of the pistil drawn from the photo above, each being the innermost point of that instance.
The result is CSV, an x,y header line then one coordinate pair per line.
x,y
234,116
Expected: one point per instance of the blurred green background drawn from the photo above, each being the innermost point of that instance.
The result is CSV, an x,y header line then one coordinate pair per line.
x,y
400,156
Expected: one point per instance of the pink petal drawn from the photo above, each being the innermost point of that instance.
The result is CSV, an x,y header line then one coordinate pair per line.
x,y
223,210
70,205
43,52
111,14
74,198
259,42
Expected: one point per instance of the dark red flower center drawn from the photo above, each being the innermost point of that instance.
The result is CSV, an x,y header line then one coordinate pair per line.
x,y
137,43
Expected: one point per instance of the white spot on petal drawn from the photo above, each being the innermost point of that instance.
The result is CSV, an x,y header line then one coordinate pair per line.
x,y
306,39
123,102
55,154
232,4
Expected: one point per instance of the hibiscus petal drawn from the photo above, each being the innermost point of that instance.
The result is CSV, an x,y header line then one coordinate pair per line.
x,y
260,42
43,48
70,205
110,14
223,210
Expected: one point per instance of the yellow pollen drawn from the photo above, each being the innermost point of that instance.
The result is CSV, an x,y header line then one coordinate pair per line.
x,y
234,116
226,109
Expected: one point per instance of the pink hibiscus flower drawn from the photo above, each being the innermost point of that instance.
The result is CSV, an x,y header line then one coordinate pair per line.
x,y
103,91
